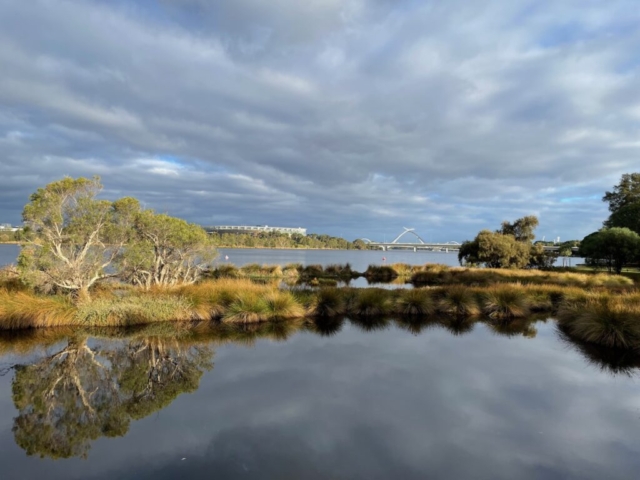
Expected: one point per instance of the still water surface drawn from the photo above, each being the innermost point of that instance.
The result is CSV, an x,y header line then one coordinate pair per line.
x,y
359,259
338,400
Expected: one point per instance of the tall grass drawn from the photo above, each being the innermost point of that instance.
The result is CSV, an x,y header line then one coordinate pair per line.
x,y
458,300
505,301
417,301
20,309
603,318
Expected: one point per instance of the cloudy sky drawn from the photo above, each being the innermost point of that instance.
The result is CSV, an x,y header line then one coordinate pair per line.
x,y
348,117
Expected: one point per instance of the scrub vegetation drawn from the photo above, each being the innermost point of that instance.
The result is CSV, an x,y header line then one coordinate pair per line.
x,y
89,263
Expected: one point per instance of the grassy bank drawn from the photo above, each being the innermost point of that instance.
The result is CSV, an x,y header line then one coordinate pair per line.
x,y
600,309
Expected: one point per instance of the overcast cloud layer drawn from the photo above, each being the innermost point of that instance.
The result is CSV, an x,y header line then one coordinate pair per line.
x,y
348,117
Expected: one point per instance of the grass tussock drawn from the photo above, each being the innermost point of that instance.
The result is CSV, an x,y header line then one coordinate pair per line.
x,y
371,302
329,302
505,301
603,318
417,301
458,300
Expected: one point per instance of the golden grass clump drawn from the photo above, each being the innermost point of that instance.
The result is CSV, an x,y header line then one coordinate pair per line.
x,y
20,309
371,302
281,304
458,300
505,301
603,318
418,301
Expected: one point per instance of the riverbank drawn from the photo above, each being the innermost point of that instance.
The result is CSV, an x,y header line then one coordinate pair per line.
x,y
599,309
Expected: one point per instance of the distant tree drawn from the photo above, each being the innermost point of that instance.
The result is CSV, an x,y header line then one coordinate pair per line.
x,y
73,236
522,229
613,248
495,250
509,247
625,193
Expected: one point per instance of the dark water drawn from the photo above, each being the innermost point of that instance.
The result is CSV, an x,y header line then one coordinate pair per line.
x,y
340,400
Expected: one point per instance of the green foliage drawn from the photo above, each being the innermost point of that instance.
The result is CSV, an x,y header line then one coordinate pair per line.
x,y
627,216
627,192
613,248
283,240
522,229
509,247
165,250
495,250
73,236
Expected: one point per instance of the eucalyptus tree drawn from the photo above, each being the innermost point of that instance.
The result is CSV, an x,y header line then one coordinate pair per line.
x,y
165,251
73,236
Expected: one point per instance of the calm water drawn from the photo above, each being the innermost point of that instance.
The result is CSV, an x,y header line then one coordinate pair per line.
x,y
338,401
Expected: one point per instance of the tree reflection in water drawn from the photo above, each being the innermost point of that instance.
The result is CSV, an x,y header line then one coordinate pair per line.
x,y
94,388
68,399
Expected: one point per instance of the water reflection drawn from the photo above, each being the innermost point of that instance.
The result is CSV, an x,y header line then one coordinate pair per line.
x,y
80,393
81,386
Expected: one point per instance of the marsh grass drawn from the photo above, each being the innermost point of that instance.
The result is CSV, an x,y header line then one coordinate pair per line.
x,y
380,273
19,309
433,275
328,302
371,302
134,310
505,301
603,318
417,301
458,300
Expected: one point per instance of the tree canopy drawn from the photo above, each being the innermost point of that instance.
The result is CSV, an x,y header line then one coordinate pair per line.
x,y
509,247
613,248
627,192
74,236
76,239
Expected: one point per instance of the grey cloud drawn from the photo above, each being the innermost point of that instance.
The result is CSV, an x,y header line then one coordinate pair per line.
x,y
350,117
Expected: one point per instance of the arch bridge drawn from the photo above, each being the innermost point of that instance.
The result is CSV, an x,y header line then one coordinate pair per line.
x,y
396,244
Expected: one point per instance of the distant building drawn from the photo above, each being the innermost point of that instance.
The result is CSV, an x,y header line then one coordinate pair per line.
x,y
6,227
254,229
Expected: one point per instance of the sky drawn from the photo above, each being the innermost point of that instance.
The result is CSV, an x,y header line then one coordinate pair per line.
x,y
348,117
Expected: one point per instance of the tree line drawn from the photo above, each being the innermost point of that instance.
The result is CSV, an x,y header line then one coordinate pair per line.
x,y
283,240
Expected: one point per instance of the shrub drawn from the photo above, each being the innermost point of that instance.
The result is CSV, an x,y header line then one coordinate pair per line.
x,y
329,302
